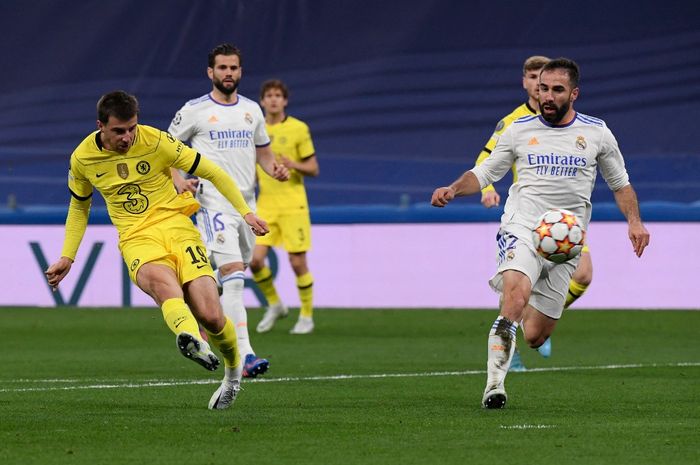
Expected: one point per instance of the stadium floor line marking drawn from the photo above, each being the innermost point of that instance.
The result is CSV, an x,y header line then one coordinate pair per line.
x,y
527,426
160,383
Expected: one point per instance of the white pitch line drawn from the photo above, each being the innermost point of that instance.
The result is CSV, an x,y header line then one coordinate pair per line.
x,y
168,383
527,426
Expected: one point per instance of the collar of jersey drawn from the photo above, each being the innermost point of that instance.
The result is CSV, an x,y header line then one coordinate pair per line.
x,y
238,99
548,124
530,109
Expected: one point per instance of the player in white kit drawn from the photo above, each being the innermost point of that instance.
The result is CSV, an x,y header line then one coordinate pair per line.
x,y
230,130
557,155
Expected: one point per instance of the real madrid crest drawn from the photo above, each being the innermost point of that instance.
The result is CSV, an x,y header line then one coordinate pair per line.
x,y
123,170
248,118
511,255
220,239
581,143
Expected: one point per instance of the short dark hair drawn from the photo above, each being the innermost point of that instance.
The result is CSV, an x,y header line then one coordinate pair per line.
x,y
274,84
119,104
224,49
567,65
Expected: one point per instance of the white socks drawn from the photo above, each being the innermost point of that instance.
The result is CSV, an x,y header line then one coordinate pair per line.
x,y
234,374
232,302
500,351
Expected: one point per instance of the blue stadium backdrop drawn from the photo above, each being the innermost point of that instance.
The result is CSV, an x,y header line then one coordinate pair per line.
x,y
400,96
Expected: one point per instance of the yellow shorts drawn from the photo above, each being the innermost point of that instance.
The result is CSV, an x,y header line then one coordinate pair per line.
x,y
174,242
290,230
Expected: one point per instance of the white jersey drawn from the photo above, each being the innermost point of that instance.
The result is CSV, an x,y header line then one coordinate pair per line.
x,y
227,135
556,168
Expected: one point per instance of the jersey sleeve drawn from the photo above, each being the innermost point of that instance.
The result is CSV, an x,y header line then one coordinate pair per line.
x,y
490,145
306,145
190,161
260,137
176,153
78,210
497,164
224,183
78,183
611,163
76,224
183,124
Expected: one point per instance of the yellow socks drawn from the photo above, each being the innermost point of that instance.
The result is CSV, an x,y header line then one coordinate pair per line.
x,y
179,318
227,344
576,290
305,284
263,279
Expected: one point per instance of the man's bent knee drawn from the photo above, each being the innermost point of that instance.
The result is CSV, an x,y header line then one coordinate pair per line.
x,y
535,341
584,279
257,264
513,306
213,323
204,303
230,268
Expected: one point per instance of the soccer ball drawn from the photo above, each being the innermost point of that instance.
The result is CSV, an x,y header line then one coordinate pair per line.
x,y
558,235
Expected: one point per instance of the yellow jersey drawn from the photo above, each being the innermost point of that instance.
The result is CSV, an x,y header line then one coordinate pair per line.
x,y
523,110
292,139
137,186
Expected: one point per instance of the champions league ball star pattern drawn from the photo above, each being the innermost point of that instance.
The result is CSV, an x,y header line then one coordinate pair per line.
x,y
557,236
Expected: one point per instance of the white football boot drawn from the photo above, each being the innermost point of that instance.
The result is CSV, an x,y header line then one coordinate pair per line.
x,y
494,397
197,350
304,325
226,394
272,314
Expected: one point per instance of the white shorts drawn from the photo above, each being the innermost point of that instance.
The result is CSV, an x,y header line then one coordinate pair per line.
x,y
549,281
226,235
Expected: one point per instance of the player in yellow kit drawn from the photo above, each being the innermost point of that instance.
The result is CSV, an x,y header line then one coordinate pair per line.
x,y
129,164
286,207
583,275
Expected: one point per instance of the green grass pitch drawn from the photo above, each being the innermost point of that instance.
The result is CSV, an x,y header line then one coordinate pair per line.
x,y
108,386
